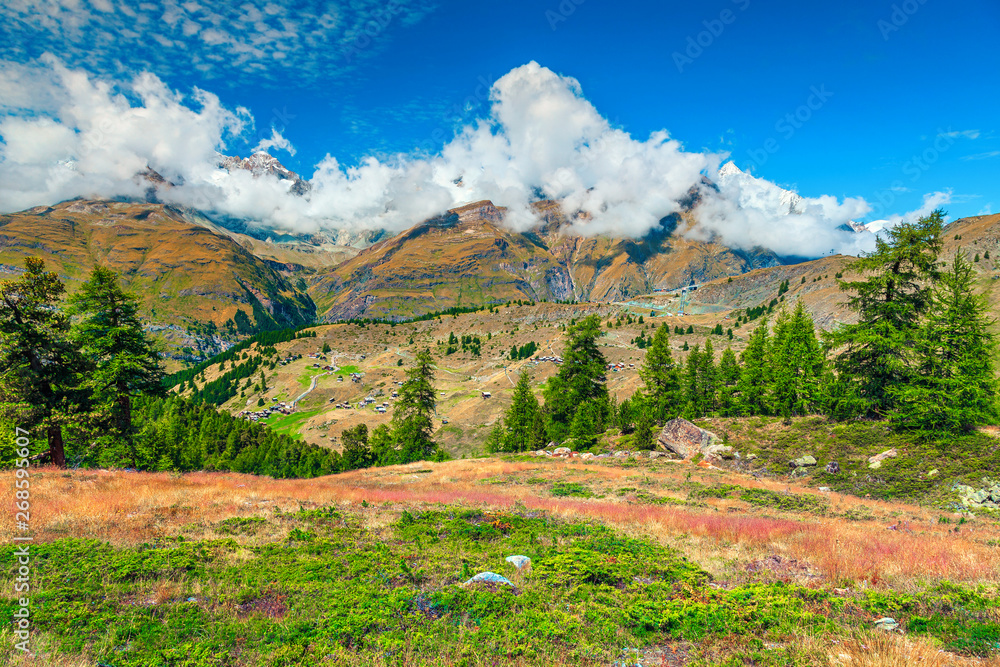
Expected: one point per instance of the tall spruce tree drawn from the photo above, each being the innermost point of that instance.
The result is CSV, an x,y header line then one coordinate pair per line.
x,y
40,366
661,378
754,384
955,385
797,364
520,421
729,377
579,380
412,418
123,362
891,299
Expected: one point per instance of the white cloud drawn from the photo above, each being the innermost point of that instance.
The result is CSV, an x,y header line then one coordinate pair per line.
x,y
982,156
274,141
66,134
965,134
227,42
931,202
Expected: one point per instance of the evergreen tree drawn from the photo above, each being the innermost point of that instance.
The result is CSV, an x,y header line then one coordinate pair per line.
x,y
414,412
644,436
661,378
355,451
520,418
579,379
707,380
956,385
691,391
755,377
728,377
40,366
890,301
122,360
797,364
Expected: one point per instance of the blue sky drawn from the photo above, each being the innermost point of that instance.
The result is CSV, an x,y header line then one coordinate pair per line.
x,y
882,100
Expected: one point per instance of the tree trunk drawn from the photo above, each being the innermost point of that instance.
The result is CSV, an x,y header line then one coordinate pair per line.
x,y
56,445
125,424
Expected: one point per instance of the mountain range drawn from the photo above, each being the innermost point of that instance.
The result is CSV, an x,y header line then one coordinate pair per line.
x,y
204,283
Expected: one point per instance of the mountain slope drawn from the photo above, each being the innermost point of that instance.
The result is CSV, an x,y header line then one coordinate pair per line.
x,y
466,257
185,274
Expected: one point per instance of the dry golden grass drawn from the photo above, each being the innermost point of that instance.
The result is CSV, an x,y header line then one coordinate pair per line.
x,y
722,535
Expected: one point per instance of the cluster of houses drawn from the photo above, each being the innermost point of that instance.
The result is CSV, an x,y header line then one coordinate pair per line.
x,y
618,367
289,359
365,402
279,407
555,360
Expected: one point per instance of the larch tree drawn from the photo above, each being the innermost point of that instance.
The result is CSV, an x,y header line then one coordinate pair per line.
x,y
891,298
413,415
755,376
122,359
40,366
661,379
580,378
955,388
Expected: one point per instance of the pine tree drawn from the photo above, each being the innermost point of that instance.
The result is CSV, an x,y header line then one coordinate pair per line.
x,y
355,451
797,364
414,411
956,386
40,366
707,380
754,384
691,389
661,378
520,418
729,377
579,379
122,360
890,301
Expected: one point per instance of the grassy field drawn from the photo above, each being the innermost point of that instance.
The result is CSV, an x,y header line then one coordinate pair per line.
x,y
633,562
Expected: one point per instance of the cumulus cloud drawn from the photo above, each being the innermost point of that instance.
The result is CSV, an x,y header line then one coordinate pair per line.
x,y
66,134
276,140
931,203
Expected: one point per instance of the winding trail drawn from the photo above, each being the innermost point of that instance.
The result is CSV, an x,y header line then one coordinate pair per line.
x,y
312,386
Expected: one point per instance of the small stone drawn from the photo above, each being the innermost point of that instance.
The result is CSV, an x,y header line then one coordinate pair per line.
x,y
887,454
562,451
825,489
803,461
520,562
932,472
833,468
489,577
888,624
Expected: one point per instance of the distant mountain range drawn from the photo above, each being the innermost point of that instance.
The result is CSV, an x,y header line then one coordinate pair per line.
x,y
203,282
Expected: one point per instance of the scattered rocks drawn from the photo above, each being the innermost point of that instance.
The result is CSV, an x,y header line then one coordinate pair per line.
x,y
803,461
489,578
621,454
987,497
832,468
685,439
562,451
586,456
825,489
655,455
875,462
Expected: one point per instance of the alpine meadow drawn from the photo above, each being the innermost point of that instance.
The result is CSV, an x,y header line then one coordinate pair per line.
x,y
438,334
